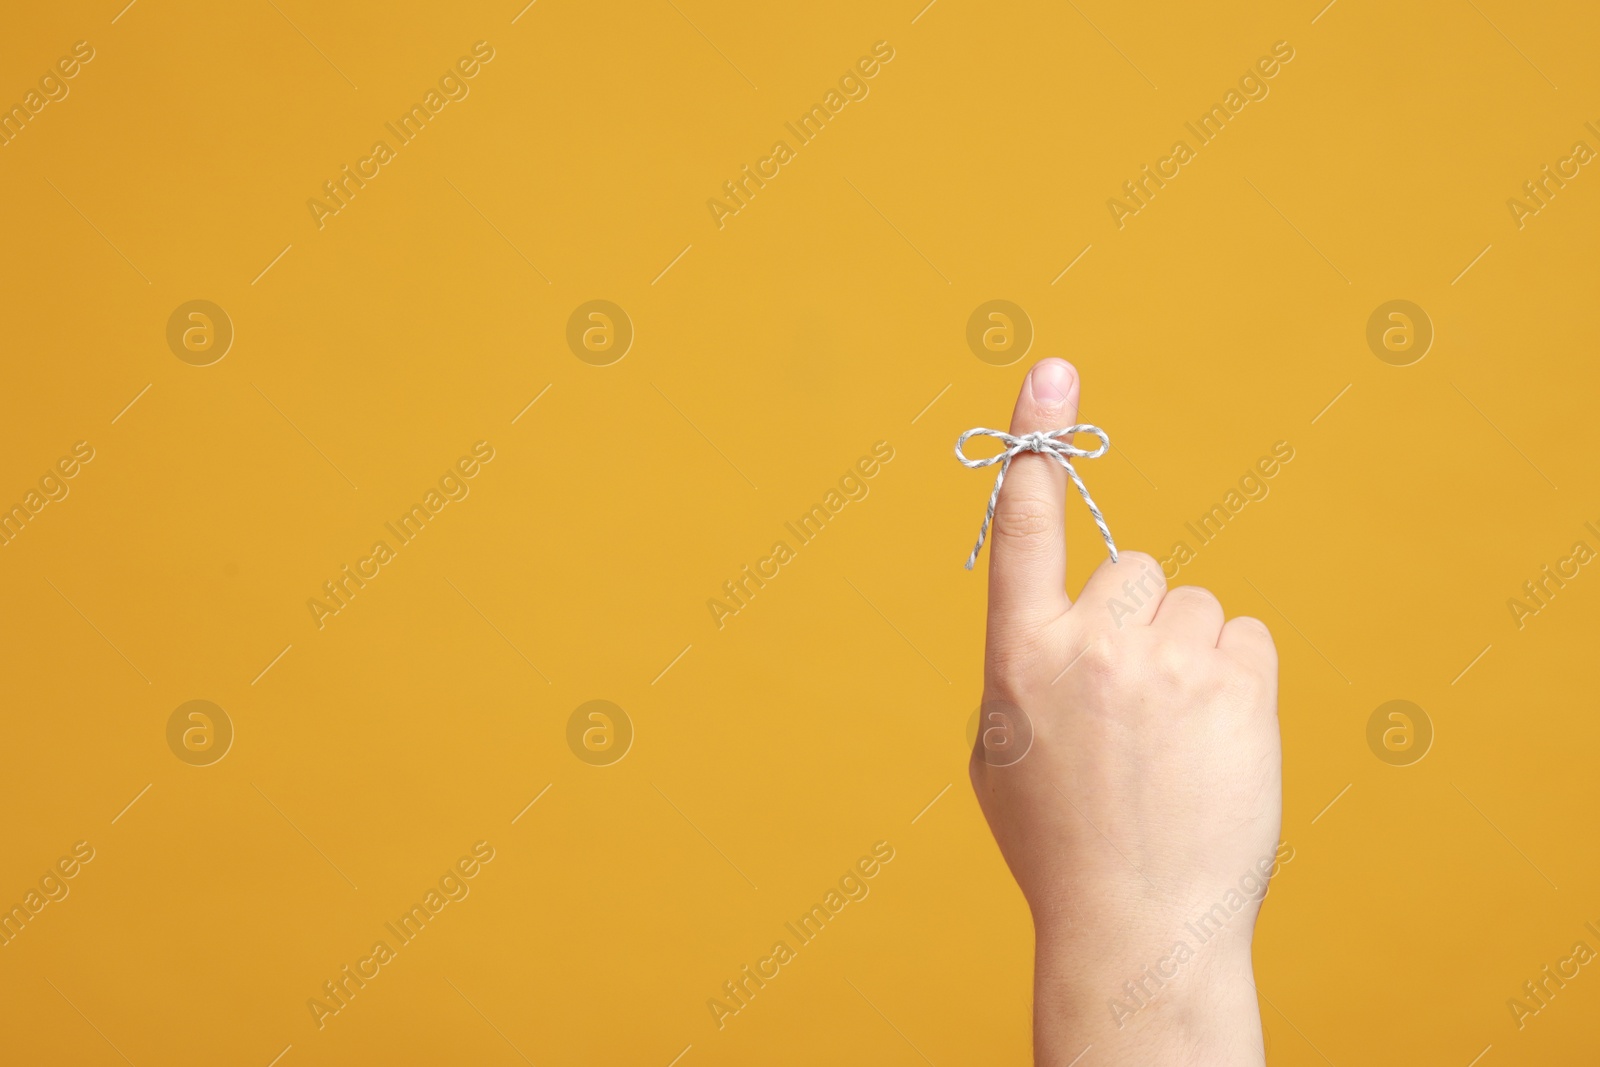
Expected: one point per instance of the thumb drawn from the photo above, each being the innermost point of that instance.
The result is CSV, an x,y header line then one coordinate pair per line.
x,y
1028,557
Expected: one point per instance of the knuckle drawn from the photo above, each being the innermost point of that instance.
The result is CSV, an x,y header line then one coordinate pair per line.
x,y
1174,661
1137,561
1024,521
1252,627
1146,574
1106,660
1254,637
1195,596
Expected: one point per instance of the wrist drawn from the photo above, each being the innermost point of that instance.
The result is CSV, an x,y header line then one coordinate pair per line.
x,y
1148,999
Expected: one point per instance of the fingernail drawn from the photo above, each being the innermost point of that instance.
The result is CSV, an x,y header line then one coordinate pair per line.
x,y
1050,381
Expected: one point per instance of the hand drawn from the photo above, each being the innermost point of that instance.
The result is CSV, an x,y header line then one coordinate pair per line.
x,y
1128,764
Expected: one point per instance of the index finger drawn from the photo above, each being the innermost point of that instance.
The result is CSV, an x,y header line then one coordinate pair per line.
x,y
1028,553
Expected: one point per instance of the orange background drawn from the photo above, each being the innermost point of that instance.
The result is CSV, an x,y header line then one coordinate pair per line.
x,y
768,355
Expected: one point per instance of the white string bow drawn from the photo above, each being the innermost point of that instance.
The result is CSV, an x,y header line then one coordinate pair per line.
x,y
1056,443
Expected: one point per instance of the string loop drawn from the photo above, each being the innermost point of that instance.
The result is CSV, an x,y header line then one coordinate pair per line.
x,y
1055,443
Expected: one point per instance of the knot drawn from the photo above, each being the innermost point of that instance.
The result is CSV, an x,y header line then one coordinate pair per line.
x,y
1035,442
1055,443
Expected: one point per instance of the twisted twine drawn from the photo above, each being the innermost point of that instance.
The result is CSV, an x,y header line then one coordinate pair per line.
x,y
1056,443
